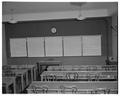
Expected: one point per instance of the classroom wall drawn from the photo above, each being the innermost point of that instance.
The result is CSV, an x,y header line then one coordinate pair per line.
x,y
64,28
4,56
115,38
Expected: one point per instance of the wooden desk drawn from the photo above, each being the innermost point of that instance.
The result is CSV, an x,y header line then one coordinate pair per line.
x,y
8,84
33,69
26,73
82,87
23,73
21,78
45,64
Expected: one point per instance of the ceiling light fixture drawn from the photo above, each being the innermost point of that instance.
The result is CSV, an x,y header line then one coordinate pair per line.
x,y
12,19
80,16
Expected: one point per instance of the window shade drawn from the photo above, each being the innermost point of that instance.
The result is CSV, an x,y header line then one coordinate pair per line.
x,y
91,45
35,46
72,46
53,46
18,47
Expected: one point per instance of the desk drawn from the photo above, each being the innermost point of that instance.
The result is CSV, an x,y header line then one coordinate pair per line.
x,y
23,73
45,64
82,87
33,69
8,84
20,76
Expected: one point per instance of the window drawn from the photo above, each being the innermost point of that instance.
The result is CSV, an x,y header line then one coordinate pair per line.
x,y
35,46
53,46
72,46
91,45
56,46
18,47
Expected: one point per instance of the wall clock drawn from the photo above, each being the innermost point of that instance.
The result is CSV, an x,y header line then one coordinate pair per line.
x,y
53,30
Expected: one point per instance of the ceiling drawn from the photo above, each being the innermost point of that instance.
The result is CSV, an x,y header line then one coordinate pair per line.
x,y
38,7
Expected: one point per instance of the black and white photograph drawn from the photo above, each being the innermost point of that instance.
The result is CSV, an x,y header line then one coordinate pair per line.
x,y
59,47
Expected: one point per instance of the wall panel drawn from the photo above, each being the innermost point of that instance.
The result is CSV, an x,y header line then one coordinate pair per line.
x,y
93,26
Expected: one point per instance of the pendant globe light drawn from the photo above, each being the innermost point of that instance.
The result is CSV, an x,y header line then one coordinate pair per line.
x,y
79,4
80,16
12,19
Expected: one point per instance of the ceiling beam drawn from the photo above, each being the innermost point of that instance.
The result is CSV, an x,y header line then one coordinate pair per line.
x,y
56,15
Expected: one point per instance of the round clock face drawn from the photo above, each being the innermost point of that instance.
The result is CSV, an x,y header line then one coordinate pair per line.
x,y
53,30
